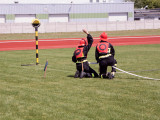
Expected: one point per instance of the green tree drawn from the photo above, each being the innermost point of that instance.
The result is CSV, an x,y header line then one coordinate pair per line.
x,y
157,4
138,3
142,3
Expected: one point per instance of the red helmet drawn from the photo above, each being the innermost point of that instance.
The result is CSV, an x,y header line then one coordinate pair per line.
x,y
83,42
103,36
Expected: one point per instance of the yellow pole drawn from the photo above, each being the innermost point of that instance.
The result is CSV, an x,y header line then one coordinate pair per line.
x,y
36,24
36,37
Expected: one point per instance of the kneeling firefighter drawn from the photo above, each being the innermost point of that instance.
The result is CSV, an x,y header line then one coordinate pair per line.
x,y
104,55
80,58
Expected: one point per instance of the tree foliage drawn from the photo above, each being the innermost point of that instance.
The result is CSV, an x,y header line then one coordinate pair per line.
x,y
150,3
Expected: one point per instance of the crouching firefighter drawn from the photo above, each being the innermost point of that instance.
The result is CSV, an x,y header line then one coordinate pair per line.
x,y
80,58
104,55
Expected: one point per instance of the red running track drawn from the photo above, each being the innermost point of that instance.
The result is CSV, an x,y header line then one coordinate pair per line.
x,y
6,45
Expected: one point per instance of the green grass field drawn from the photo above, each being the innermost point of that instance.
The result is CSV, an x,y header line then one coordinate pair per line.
x,y
26,95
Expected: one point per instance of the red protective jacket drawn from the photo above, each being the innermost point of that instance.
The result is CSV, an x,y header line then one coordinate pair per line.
x,y
85,50
104,48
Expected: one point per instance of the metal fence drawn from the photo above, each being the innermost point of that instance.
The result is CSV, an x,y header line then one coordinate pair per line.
x,y
76,27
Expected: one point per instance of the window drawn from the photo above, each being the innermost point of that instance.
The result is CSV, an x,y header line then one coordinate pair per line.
x,y
136,18
97,1
16,2
91,1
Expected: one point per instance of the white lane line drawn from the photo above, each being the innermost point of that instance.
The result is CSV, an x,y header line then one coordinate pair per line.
x,y
137,43
135,37
73,39
16,41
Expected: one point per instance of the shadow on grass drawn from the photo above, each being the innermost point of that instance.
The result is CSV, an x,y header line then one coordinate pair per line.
x,y
71,76
80,78
116,78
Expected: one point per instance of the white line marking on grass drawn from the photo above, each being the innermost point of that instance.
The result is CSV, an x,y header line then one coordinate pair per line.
x,y
67,71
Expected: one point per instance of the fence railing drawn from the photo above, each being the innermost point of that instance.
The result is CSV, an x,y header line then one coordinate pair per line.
x,y
76,26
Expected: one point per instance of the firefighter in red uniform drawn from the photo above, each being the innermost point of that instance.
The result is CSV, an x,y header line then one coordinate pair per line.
x,y
105,57
80,58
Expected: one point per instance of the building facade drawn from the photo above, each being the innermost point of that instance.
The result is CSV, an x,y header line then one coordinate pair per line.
x,y
56,1
71,12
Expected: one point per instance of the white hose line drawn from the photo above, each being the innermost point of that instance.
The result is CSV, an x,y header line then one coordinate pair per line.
x,y
92,62
134,74
142,71
128,72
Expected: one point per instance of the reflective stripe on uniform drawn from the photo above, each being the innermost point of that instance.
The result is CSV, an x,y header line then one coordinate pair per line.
x,y
105,56
81,61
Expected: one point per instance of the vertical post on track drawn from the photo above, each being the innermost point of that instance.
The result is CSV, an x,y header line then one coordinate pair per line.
x,y
36,24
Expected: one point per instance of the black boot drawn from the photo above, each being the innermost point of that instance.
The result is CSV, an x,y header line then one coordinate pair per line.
x,y
113,74
83,74
103,76
88,75
109,75
76,74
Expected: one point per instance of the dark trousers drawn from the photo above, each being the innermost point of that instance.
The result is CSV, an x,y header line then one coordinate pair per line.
x,y
105,62
86,68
